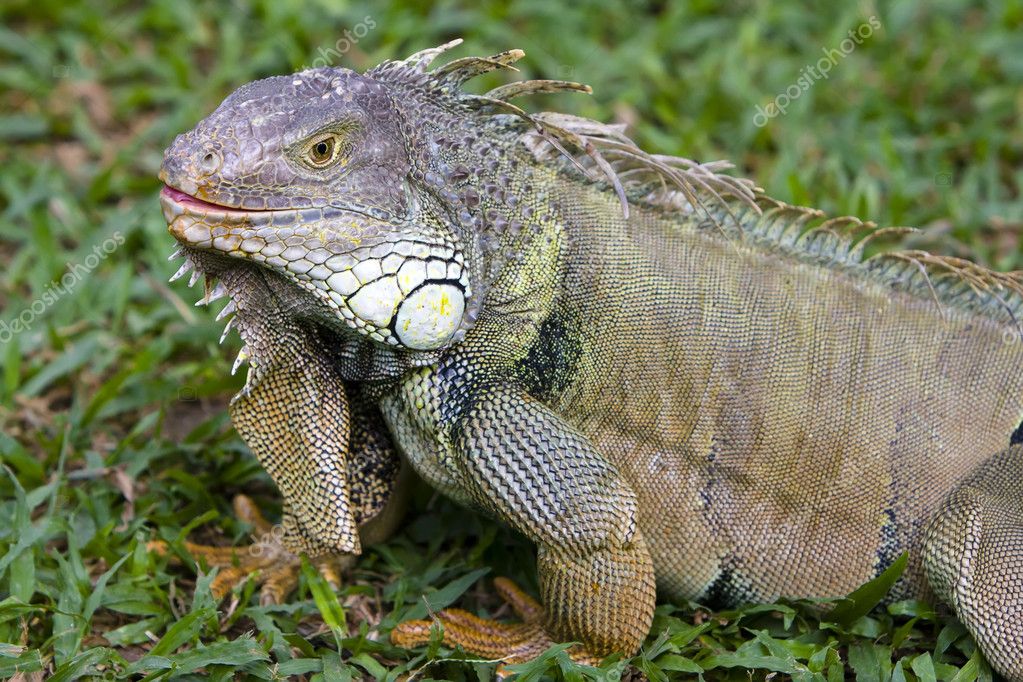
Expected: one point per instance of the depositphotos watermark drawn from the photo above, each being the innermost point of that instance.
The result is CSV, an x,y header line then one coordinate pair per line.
x,y
811,73
346,42
76,272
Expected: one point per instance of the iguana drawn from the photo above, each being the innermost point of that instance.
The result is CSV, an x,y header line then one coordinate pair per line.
x,y
664,378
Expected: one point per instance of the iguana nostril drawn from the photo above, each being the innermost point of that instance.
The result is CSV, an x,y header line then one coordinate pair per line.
x,y
210,162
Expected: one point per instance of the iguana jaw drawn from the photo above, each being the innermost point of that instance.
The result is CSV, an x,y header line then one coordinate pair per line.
x,y
391,283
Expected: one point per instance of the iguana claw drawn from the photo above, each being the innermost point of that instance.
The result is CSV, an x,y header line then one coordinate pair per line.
x,y
509,642
266,560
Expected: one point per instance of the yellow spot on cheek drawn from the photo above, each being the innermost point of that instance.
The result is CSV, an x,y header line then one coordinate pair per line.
x,y
353,232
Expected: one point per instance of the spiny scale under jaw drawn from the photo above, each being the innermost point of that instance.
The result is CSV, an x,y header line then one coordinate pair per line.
x,y
215,291
243,355
227,327
184,269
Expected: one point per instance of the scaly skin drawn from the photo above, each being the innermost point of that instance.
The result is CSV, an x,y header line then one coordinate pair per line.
x,y
660,376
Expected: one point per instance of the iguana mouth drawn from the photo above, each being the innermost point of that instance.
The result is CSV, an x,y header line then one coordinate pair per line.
x,y
176,202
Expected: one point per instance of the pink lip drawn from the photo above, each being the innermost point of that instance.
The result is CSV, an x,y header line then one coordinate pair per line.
x,y
193,203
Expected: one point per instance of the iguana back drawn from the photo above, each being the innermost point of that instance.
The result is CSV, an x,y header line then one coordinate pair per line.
x,y
789,423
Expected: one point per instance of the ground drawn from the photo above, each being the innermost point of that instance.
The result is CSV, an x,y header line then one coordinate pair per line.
x,y
113,388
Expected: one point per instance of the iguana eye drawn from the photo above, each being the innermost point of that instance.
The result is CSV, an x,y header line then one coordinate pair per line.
x,y
323,151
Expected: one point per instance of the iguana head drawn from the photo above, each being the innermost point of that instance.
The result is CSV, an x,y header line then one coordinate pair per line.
x,y
312,176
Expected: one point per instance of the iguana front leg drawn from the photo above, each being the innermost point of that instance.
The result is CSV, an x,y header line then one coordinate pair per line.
x,y
973,555
517,460
332,460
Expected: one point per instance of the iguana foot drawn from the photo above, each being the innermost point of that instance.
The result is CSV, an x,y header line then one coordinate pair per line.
x,y
510,642
272,566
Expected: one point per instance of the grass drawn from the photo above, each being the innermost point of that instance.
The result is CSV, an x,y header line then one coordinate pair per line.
x,y
112,401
